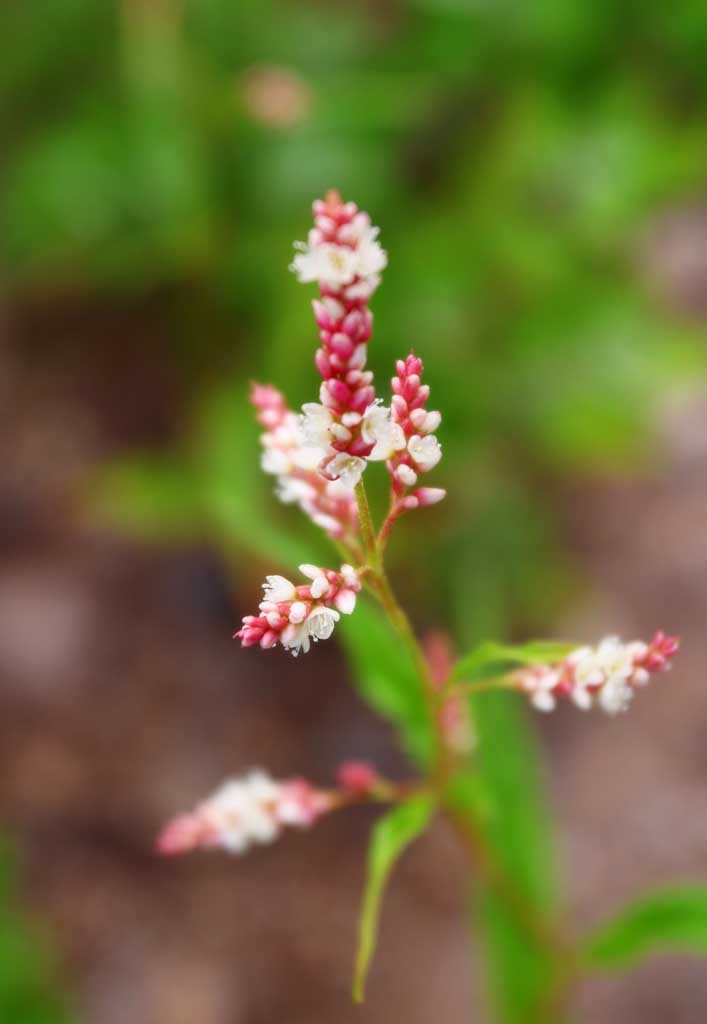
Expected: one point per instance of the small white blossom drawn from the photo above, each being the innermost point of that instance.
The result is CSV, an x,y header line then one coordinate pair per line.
x,y
424,451
321,621
295,637
350,576
406,475
319,587
316,425
345,601
372,259
346,468
298,612
330,264
378,429
278,589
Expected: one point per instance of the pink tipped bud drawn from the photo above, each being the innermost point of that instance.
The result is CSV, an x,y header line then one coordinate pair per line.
x,y
184,833
343,345
323,365
340,392
357,777
429,495
300,804
362,398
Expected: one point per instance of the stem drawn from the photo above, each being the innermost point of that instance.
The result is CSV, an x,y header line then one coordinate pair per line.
x,y
367,530
480,851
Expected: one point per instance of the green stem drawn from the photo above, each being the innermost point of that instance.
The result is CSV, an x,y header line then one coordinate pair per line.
x,y
368,532
469,830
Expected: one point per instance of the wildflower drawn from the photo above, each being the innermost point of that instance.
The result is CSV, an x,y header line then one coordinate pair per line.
x,y
608,673
244,812
343,255
411,448
378,429
292,453
296,615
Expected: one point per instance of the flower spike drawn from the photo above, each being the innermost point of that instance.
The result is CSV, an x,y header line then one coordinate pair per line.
x,y
295,615
288,457
244,812
344,257
608,674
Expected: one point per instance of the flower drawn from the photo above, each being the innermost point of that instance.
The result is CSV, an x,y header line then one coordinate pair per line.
x,y
293,616
244,812
293,457
330,264
425,452
321,621
608,673
343,255
277,589
346,468
378,429
316,423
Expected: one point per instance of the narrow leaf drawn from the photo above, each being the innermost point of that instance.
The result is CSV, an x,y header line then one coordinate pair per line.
x,y
487,658
675,918
391,835
385,676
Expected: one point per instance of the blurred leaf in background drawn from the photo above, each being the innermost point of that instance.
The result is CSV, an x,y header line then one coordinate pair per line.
x,y
28,992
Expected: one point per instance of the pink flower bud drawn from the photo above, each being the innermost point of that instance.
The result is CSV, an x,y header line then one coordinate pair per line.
x,y
357,777
429,495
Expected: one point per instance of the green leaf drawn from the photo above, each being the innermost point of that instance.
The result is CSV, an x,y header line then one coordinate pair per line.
x,y
518,829
391,835
384,674
152,497
486,658
674,918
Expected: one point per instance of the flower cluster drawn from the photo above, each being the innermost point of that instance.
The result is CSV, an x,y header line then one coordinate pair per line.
x,y
343,256
286,455
295,615
416,449
607,673
244,812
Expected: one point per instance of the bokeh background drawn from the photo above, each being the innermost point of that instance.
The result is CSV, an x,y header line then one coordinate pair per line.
x,y
539,174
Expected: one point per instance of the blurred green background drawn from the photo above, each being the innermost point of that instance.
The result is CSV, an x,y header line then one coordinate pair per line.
x,y
538,174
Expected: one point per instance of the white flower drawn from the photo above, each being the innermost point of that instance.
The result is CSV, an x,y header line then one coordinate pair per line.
x,y
242,812
329,264
363,289
278,589
298,612
615,696
275,462
350,576
539,681
378,429
290,490
424,451
321,621
345,601
371,258
358,229
406,475
295,637
316,423
346,468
